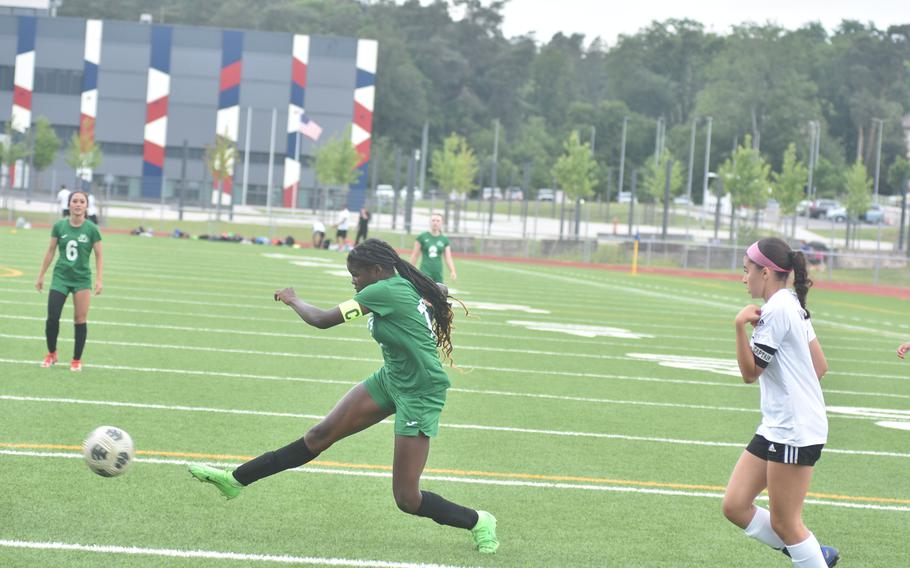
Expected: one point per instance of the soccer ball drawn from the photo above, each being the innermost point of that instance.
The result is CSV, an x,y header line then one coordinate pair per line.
x,y
108,451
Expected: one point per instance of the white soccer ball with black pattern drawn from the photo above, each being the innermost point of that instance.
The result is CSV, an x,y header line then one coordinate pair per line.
x,y
108,451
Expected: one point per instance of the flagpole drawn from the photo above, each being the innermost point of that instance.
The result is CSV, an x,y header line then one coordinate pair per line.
x,y
268,195
300,176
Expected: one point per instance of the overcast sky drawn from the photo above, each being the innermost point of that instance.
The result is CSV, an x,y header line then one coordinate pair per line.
x,y
610,19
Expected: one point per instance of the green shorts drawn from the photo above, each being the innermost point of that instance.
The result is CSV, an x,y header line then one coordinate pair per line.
x,y
67,287
414,414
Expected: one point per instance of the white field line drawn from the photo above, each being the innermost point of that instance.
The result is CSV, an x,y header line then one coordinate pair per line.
x,y
508,429
475,320
323,337
572,374
649,289
676,298
471,321
480,480
212,555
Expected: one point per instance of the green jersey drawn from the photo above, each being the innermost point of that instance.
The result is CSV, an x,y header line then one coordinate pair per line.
x,y
400,323
433,248
75,247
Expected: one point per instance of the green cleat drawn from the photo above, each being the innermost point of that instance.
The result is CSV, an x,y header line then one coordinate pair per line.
x,y
484,533
223,479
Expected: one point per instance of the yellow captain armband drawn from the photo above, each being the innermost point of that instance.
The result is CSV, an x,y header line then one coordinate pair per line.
x,y
350,310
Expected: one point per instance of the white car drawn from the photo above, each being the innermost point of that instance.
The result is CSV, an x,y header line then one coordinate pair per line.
x,y
625,197
545,194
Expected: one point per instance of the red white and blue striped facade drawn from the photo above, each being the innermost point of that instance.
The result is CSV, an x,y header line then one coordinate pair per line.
x,y
300,57
156,103
362,127
24,75
88,106
227,123
195,78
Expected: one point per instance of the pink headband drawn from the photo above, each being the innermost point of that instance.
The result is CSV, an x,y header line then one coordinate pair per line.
x,y
757,256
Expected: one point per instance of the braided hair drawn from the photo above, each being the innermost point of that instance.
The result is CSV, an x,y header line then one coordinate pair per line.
x,y
372,252
781,254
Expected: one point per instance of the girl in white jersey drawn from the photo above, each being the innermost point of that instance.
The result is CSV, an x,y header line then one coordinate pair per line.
x,y
786,358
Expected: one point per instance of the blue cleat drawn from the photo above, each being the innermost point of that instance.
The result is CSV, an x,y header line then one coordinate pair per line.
x,y
831,555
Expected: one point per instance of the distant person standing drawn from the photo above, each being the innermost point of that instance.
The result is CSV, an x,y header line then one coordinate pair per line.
x,y
363,223
63,201
434,246
341,227
92,211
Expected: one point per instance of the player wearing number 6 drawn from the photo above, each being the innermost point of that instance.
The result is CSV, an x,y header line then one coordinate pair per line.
x,y
77,238
410,318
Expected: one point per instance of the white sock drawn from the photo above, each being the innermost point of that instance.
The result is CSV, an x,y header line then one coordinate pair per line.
x,y
760,529
807,554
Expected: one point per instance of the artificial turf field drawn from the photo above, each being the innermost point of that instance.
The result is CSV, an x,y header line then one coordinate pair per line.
x,y
597,414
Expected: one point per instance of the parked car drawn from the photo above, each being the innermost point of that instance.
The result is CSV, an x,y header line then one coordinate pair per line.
x,y
514,194
681,200
818,209
491,193
403,194
802,208
384,192
874,214
545,194
815,251
625,197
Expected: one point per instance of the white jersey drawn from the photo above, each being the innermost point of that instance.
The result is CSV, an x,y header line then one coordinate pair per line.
x,y
63,199
92,208
343,219
318,227
792,404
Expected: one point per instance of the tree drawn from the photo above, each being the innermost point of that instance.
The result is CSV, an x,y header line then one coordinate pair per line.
x,y
859,194
899,174
219,158
83,154
10,153
47,144
656,177
455,166
575,172
789,183
336,161
745,176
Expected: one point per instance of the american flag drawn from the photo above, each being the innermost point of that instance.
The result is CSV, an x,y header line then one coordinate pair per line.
x,y
309,128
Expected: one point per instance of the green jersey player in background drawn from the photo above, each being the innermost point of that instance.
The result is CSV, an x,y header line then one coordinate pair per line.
x,y
433,246
411,319
77,238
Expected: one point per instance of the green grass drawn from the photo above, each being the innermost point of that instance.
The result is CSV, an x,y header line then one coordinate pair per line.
x,y
558,435
864,232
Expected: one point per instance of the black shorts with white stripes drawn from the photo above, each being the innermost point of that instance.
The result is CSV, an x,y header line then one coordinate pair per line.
x,y
782,453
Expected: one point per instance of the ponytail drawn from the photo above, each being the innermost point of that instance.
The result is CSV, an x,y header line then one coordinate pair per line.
x,y
801,280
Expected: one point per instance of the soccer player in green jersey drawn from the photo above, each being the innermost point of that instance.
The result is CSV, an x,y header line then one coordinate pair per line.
x,y
434,246
410,318
77,238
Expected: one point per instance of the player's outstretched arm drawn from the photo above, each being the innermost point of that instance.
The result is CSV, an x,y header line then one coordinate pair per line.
x,y
316,317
